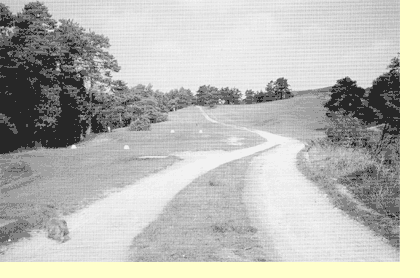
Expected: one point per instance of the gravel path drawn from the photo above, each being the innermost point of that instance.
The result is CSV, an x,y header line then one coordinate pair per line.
x,y
105,230
298,221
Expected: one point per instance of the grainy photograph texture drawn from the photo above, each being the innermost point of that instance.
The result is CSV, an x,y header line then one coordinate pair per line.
x,y
200,131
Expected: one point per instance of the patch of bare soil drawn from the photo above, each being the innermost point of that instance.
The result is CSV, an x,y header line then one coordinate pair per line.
x,y
207,221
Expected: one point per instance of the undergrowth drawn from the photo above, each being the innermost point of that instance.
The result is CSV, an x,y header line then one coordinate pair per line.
x,y
366,161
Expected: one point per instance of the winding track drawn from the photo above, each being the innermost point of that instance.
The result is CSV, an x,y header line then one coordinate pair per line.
x,y
105,230
298,222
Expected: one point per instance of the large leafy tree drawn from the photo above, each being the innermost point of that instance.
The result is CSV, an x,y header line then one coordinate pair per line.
x,y
89,56
384,97
49,66
250,97
207,95
281,88
230,95
346,98
29,73
178,99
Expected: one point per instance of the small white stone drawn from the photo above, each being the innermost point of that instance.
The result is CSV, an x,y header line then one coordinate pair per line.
x,y
126,147
73,147
200,131
172,131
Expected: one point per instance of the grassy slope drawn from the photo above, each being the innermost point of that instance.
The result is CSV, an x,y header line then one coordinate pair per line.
x,y
207,221
71,179
301,117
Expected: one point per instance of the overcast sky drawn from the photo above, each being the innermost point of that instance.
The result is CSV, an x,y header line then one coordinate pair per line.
x,y
243,43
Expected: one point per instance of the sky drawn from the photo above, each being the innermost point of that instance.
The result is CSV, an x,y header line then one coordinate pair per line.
x,y
243,44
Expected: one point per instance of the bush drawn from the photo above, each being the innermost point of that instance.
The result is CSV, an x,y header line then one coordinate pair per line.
x,y
157,117
141,124
348,131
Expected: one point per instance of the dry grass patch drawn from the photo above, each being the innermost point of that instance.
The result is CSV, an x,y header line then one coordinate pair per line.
x,y
347,176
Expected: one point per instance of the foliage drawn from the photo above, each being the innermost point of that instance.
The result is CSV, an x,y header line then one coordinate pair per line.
x,y
47,65
230,95
348,131
249,97
384,98
281,89
207,96
278,90
347,98
141,124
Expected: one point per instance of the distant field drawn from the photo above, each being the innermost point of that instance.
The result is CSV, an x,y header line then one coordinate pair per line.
x,y
301,117
70,179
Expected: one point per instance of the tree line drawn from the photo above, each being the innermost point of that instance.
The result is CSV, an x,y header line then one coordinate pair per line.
x,y
57,86
353,109
208,95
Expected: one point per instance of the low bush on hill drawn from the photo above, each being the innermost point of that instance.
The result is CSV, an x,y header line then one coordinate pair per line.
x,y
141,124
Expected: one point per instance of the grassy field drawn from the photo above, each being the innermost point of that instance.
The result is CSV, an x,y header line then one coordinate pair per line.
x,y
371,201
207,221
301,117
43,182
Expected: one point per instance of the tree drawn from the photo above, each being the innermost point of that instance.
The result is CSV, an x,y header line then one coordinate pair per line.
x,y
179,99
90,58
346,98
207,96
7,21
260,96
249,97
230,96
236,95
281,88
29,73
48,66
384,97
269,92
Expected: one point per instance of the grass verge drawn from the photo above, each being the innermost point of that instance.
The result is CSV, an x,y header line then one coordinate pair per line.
x,y
207,221
34,183
356,184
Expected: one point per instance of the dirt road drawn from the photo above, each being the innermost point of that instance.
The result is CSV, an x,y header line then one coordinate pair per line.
x,y
298,221
105,230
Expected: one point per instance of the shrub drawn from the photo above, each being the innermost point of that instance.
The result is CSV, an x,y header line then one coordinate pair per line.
x,y
348,131
141,124
157,117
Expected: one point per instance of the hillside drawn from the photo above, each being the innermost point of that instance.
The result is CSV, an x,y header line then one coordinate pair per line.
x,y
312,91
302,117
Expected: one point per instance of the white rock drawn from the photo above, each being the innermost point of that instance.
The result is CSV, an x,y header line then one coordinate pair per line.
x,y
200,131
172,131
73,147
126,147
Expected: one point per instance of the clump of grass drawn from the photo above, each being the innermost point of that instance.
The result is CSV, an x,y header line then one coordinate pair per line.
x,y
377,187
141,124
13,171
372,189
334,161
